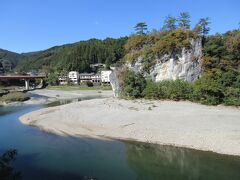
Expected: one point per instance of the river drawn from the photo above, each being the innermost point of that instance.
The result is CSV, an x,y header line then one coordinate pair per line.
x,y
44,156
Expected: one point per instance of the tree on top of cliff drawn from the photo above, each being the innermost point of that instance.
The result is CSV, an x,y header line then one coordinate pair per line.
x,y
204,25
184,20
203,28
141,28
170,23
135,43
171,43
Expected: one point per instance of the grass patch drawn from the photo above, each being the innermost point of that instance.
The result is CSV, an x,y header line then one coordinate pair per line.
x,y
3,91
14,97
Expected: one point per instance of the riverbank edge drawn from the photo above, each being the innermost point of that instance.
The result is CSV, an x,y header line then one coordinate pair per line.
x,y
44,97
109,138
26,119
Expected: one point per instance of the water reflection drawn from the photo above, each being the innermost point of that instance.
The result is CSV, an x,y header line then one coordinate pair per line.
x,y
166,162
49,157
4,110
6,170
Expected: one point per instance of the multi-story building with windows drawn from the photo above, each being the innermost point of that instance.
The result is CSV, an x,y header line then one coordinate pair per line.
x,y
73,77
105,76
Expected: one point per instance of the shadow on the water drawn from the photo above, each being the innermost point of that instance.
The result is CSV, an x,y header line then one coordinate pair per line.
x,y
151,161
6,170
36,173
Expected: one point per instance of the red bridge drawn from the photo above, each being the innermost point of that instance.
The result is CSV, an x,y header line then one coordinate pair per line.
x,y
26,78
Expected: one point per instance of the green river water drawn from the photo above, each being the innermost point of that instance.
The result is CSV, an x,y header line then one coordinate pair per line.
x,y
43,156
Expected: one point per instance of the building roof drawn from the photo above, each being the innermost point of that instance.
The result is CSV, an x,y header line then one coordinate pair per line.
x,y
87,74
97,65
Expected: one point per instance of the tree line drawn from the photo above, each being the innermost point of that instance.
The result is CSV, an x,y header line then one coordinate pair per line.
x,y
75,57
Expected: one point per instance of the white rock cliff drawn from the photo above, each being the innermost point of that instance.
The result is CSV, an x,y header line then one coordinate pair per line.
x,y
185,65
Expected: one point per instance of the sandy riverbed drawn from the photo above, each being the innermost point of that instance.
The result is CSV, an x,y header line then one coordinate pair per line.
x,y
45,96
182,124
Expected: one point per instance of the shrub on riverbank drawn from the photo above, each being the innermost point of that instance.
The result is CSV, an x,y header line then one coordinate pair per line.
x,y
3,92
14,97
52,79
205,90
132,84
174,90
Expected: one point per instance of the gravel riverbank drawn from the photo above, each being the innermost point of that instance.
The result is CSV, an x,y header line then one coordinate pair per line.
x,y
183,124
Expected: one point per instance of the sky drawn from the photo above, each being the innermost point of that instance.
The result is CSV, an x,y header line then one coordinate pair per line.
x,y
33,25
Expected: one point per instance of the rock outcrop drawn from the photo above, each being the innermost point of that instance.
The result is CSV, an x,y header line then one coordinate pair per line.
x,y
114,82
185,65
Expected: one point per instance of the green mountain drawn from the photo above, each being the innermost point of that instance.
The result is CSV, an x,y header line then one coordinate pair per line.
x,y
9,59
77,56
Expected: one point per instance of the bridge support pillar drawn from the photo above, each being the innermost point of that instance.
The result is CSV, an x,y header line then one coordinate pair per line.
x,y
27,84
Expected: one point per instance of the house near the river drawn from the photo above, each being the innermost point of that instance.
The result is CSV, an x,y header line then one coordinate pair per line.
x,y
105,76
96,78
63,80
73,77
92,77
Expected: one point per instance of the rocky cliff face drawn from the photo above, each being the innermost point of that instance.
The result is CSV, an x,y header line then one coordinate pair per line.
x,y
114,82
185,65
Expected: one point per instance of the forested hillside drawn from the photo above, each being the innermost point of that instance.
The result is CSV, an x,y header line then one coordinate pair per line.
x,y
9,60
76,56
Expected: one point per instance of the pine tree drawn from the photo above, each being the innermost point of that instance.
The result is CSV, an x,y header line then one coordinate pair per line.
x,y
203,23
203,28
170,23
184,20
141,28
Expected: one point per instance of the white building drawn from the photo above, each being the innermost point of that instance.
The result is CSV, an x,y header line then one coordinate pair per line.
x,y
63,80
73,77
105,76
95,78
84,77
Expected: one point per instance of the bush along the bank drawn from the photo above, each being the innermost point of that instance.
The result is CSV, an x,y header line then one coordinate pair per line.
x,y
205,90
14,97
174,90
132,84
